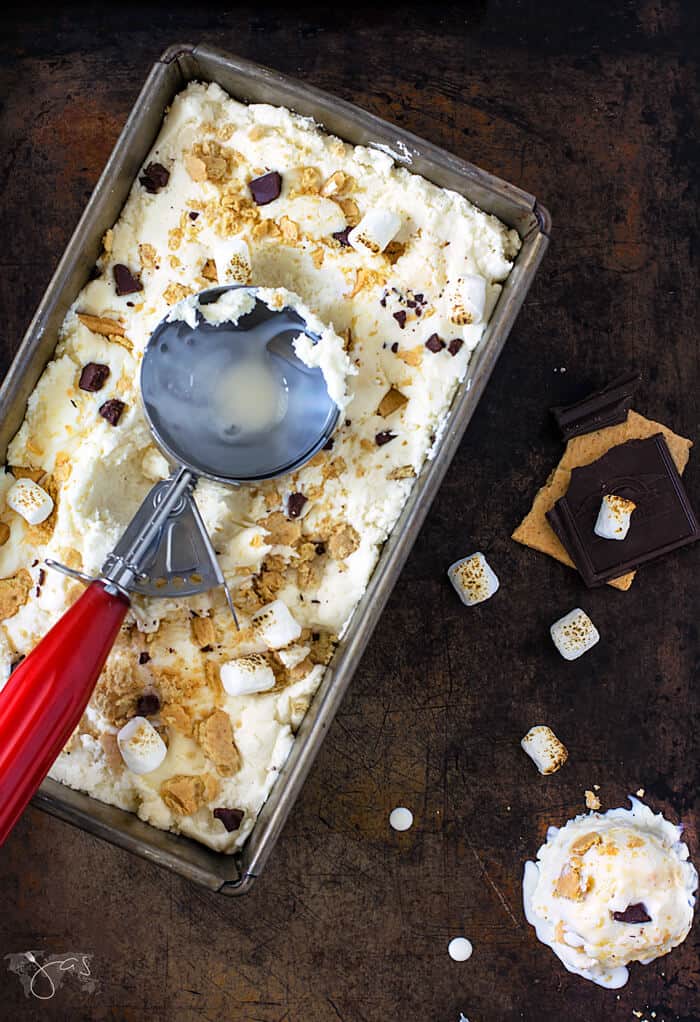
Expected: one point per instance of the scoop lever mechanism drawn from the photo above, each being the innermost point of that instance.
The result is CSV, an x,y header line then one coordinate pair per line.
x,y
165,552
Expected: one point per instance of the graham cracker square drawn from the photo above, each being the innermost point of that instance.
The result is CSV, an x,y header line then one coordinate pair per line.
x,y
536,532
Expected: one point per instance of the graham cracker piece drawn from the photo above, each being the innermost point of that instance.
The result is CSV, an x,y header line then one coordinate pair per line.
x,y
536,532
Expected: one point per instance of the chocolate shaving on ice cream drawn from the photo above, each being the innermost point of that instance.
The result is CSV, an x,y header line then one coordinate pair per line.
x,y
385,437
154,177
633,914
127,283
295,504
231,818
147,704
112,411
266,188
435,343
93,377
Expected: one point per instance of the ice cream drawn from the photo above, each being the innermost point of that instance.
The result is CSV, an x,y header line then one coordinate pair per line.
x,y
235,193
609,889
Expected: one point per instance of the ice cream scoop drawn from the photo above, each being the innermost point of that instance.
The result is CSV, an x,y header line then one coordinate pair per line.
x,y
611,888
232,394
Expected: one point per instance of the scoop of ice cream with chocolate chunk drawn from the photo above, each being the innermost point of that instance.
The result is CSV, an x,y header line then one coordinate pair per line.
x,y
609,889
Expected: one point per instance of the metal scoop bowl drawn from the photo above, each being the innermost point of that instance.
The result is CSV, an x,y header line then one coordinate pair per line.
x,y
165,551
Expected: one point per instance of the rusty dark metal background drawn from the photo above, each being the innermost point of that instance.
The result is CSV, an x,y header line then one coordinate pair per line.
x,y
596,110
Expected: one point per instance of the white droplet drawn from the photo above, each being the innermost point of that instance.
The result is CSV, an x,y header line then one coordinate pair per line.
x,y
460,949
401,818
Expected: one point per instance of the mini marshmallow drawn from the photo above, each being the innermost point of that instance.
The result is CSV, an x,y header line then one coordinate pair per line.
x,y
574,634
29,500
247,675
293,655
275,626
154,466
232,259
375,230
613,520
466,299
142,748
473,578
544,749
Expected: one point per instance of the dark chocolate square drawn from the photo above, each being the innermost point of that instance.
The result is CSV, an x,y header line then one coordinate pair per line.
x,y
603,408
642,471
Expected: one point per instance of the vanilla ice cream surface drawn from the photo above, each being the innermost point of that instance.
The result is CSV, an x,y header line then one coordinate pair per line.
x,y
609,889
242,194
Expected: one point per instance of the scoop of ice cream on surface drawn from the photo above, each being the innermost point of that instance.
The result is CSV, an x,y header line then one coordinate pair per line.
x,y
611,888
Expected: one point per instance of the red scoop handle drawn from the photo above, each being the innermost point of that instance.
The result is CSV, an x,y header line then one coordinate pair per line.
x,y
44,699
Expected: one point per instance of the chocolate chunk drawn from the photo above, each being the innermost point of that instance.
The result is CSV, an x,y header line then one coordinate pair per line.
x,y
385,437
328,446
605,407
231,818
127,283
112,411
266,188
144,657
342,236
193,214
147,704
633,914
400,317
644,472
395,347
154,177
382,301
455,345
295,504
419,298
435,343
93,376
320,549
15,663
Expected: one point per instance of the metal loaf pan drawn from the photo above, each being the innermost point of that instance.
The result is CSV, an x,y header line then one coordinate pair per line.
x,y
250,82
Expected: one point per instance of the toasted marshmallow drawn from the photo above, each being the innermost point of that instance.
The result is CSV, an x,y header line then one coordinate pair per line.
x,y
466,299
473,578
293,655
142,748
275,626
247,675
574,634
29,500
154,466
544,749
613,520
375,230
232,259
248,547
